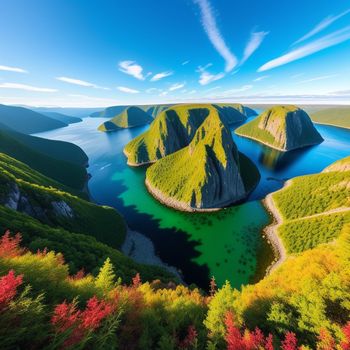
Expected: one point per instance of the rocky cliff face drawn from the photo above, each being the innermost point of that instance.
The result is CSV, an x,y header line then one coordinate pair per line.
x,y
205,175
282,127
174,129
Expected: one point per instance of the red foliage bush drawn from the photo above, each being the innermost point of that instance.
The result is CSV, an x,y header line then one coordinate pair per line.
x,y
290,342
9,246
345,344
8,288
190,339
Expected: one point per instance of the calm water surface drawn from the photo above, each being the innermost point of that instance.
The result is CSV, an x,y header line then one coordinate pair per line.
x,y
226,244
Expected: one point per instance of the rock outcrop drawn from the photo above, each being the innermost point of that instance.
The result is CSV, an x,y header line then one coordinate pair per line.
x,y
282,127
131,117
174,129
203,176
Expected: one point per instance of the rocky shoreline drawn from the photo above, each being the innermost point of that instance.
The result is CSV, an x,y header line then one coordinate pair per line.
x,y
141,249
271,232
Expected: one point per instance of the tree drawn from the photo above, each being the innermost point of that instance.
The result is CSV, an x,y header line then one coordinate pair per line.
x,y
289,342
106,277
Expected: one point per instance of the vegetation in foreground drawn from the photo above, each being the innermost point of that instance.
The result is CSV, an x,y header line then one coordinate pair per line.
x,y
337,116
302,305
284,127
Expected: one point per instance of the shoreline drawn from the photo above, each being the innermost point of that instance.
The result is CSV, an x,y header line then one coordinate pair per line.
x,y
334,125
270,231
141,249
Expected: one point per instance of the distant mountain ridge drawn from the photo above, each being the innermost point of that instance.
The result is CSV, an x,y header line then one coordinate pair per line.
x,y
27,121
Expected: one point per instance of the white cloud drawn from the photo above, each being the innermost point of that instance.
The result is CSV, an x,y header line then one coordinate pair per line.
x,y
127,90
161,75
214,35
80,83
132,68
254,42
206,77
240,89
297,75
185,62
261,78
176,86
213,88
329,40
25,87
191,92
318,78
163,93
326,22
13,69
153,90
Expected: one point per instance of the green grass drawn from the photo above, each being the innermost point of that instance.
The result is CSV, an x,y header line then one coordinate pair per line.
x,y
61,161
282,127
131,117
190,174
339,116
103,223
79,250
309,207
174,129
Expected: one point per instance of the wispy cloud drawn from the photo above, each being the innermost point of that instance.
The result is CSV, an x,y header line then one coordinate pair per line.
x,y
261,78
25,87
214,35
127,90
132,68
318,78
326,22
80,83
207,77
153,90
176,86
329,40
298,75
161,75
255,40
185,62
240,89
191,92
13,69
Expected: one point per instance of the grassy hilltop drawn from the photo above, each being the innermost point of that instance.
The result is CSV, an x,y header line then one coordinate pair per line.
x,y
129,118
174,129
282,127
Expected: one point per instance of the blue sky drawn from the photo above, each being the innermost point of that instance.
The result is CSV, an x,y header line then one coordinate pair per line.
x,y
104,52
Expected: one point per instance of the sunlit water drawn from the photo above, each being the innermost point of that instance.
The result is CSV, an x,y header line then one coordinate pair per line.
x,y
226,244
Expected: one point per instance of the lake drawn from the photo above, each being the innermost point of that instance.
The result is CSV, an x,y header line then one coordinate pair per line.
x,y
227,244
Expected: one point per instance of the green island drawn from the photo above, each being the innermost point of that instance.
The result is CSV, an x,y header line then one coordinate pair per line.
x,y
174,129
335,116
130,117
284,127
197,165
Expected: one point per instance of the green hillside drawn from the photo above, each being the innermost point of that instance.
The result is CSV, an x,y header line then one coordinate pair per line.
x,y
129,118
62,161
205,174
319,209
174,129
337,116
284,127
62,117
27,121
340,165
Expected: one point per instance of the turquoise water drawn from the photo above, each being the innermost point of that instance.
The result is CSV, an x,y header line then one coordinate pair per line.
x,y
225,244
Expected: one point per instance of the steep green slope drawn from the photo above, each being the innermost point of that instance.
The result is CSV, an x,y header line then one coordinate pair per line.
x,y
205,175
339,116
62,117
129,118
282,127
174,129
30,192
27,121
62,161
314,208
